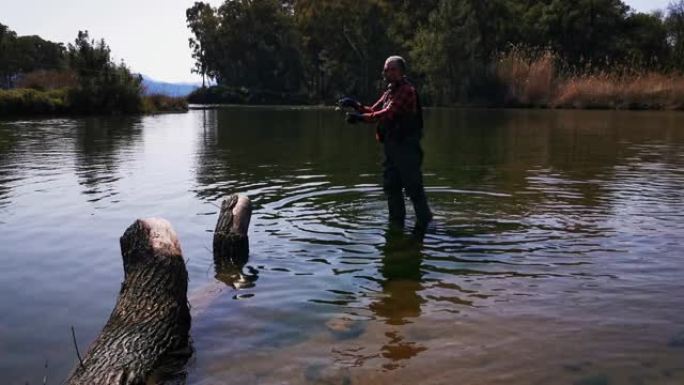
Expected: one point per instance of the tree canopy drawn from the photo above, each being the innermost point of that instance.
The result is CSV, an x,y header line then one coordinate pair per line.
x,y
96,83
24,54
325,48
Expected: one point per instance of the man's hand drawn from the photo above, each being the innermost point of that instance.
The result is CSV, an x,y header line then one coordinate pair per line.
x,y
353,118
349,102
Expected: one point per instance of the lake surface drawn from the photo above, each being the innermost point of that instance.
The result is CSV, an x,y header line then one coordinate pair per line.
x,y
557,254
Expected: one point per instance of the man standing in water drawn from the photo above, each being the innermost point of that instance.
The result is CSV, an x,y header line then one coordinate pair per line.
x,y
399,119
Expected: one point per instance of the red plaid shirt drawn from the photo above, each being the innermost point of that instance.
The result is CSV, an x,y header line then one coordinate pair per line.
x,y
399,98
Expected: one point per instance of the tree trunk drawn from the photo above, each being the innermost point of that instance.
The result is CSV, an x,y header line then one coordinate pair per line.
x,y
147,335
231,243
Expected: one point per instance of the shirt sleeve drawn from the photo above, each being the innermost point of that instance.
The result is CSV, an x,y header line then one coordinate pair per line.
x,y
404,100
375,107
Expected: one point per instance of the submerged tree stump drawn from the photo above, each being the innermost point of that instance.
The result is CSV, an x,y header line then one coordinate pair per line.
x,y
148,330
231,243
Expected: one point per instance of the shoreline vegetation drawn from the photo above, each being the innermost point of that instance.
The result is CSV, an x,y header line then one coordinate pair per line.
x,y
521,80
499,53
586,54
39,77
537,81
29,101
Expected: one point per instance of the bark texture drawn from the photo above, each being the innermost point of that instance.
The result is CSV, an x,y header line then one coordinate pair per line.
x,y
231,243
147,334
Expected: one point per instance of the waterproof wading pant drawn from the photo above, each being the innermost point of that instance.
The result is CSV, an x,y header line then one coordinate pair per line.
x,y
401,171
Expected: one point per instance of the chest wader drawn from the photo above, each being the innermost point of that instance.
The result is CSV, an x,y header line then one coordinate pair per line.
x,y
402,167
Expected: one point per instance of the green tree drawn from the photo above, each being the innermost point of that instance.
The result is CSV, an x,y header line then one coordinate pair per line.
x,y
89,58
34,53
644,43
203,23
23,54
582,31
104,86
7,64
675,33
346,43
449,49
259,46
405,18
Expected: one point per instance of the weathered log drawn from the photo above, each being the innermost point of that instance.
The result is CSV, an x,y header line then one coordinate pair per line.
x,y
231,242
148,330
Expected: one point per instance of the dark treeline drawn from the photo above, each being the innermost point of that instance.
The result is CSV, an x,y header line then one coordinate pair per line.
x,y
25,54
40,76
322,49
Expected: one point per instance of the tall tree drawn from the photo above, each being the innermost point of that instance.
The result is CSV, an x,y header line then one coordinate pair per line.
x,y
346,43
644,41
583,31
23,54
456,43
34,53
7,63
675,33
88,57
203,23
247,43
104,86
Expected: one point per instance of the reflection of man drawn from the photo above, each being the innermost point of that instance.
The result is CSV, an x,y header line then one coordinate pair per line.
x,y
399,119
400,300
402,279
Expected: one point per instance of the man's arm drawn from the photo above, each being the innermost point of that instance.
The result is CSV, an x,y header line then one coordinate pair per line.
x,y
403,101
360,108
375,107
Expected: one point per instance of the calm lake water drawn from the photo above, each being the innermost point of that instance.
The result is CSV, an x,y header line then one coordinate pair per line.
x,y
557,255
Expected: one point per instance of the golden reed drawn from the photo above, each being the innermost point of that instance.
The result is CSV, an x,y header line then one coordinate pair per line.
x,y
534,80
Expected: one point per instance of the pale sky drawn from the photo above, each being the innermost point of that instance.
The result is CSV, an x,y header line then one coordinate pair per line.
x,y
150,35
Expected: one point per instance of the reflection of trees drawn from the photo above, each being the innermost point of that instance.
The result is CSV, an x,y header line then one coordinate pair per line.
x,y
580,144
559,169
7,172
502,151
560,158
100,146
242,147
538,157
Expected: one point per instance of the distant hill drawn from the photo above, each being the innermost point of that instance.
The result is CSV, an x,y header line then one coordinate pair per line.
x,y
169,89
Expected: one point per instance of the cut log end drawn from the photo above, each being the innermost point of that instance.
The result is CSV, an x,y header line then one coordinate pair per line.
x,y
149,241
231,241
150,323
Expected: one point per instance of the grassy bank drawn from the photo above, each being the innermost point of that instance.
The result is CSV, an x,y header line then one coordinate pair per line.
x,y
539,81
32,102
26,101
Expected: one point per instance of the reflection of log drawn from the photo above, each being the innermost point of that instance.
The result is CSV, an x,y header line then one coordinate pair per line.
x,y
231,244
148,329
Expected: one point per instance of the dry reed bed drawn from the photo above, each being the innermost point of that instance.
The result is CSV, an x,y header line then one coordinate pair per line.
x,y
535,81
